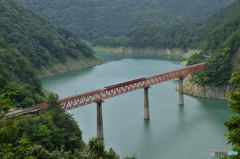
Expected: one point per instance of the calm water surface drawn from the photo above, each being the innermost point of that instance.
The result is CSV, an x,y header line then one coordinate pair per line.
x,y
173,131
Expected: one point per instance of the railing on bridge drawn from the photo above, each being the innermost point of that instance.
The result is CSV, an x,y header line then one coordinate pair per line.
x,y
102,94
97,96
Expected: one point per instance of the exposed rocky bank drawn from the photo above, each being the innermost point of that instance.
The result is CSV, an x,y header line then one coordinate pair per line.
x,y
212,92
70,65
207,91
148,50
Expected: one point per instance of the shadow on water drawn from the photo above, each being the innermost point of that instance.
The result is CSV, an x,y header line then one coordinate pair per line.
x,y
146,124
181,114
181,108
211,105
206,101
183,126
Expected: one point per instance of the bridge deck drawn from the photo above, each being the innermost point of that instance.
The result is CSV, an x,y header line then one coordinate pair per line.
x,y
122,88
102,94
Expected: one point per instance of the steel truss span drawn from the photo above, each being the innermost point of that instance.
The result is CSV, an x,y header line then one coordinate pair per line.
x,y
122,88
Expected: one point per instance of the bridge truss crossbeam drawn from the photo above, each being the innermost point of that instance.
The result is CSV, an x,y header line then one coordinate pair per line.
x,y
99,95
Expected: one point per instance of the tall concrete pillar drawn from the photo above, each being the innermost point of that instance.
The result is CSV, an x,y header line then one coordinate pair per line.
x,y
181,102
146,104
99,121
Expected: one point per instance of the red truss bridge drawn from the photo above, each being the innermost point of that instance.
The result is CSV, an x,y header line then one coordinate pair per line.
x,y
99,95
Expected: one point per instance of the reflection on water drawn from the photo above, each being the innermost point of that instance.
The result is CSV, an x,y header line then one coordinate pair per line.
x,y
173,131
108,57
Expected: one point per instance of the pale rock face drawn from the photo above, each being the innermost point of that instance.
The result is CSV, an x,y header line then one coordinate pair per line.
x,y
70,65
207,91
149,50
213,92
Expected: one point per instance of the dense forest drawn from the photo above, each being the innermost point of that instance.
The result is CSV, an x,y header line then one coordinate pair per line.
x,y
17,74
54,134
189,10
90,19
175,36
220,35
39,41
28,42
224,42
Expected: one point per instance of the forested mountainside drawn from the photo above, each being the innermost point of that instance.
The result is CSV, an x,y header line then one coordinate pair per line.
x,y
176,36
215,82
18,75
90,19
223,42
27,43
188,9
220,35
38,40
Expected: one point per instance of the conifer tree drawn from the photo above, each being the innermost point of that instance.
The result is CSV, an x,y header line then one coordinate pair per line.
x,y
233,124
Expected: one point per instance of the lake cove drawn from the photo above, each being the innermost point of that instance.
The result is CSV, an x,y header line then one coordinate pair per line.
x,y
173,131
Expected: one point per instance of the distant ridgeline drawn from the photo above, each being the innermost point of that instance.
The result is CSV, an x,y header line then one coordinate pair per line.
x,y
220,35
28,42
90,19
175,36
187,9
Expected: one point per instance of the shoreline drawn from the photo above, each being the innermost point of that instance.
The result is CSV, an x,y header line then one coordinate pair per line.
x,y
69,66
147,50
193,89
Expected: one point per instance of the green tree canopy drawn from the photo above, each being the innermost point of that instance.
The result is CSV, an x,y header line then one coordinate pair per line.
x,y
185,36
233,124
43,136
90,19
37,40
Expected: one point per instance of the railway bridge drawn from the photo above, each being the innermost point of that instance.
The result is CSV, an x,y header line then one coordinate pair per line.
x,y
99,95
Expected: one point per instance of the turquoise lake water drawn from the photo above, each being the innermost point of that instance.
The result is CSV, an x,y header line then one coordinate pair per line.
x,y
183,132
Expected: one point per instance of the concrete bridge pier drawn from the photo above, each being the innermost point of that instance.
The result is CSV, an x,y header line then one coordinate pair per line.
x,y
146,104
181,102
99,121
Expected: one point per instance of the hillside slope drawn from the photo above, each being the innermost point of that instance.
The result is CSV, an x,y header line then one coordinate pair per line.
x,y
189,9
90,19
214,82
31,47
39,41
17,75
183,36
